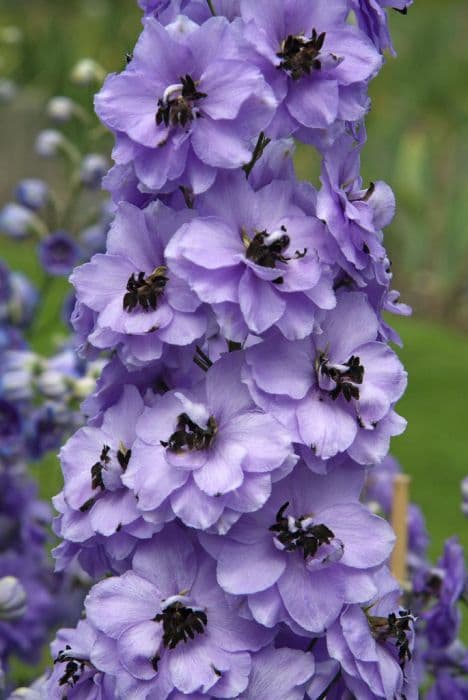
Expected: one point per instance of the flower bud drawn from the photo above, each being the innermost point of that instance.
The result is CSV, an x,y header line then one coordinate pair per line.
x,y
32,193
87,71
93,168
13,599
60,109
48,143
8,90
16,220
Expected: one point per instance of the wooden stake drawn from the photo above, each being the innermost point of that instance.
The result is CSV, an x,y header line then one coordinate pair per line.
x,y
401,486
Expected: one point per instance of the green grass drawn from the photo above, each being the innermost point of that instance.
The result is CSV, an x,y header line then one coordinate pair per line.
x,y
433,450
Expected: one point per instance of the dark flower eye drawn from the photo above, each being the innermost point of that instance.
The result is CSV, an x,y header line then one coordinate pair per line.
x,y
300,56
190,436
178,107
145,291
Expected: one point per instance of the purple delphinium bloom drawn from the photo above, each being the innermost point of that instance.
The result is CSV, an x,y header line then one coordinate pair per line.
x,y
23,634
186,104
58,254
23,520
276,674
5,285
96,511
173,625
11,427
317,64
73,675
334,391
374,645
443,586
372,18
354,215
447,687
256,258
209,453
306,553
138,304
446,663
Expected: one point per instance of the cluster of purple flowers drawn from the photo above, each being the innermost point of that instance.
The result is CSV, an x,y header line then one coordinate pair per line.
x,y
433,592
36,414
40,395
216,487
69,223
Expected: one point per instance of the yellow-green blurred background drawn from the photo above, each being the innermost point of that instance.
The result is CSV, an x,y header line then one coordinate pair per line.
x,y
418,142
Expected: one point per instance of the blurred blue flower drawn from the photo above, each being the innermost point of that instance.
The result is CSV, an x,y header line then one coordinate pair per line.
x,y
32,193
16,220
58,254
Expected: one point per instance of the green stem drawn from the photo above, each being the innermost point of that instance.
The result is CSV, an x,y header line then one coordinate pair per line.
x,y
210,5
262,143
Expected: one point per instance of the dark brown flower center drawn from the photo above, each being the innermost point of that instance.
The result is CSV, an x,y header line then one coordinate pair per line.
x,y
345,376
300,55
97,482
267,249
180,623
300,533
73,667
191,436
396,628
145,291
178,105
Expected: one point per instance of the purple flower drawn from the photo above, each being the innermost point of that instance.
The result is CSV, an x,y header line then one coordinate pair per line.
x,y
96,511
256,258
209,454
374,645
443,586
11,426
187,103
24,300
334,391
379,491
306,553
372,18
58,254
317,64
173,625
354,216
447,687
138,305
73,675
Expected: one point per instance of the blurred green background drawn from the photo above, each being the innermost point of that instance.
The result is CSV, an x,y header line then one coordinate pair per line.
x,y
418,142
